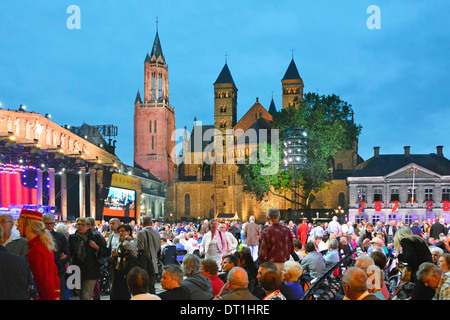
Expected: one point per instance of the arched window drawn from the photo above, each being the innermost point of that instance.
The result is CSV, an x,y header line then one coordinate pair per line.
x,y
341,200
187,204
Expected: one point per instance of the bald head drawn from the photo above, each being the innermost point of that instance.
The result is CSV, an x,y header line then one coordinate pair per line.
x,y
363,262
356,283
237,278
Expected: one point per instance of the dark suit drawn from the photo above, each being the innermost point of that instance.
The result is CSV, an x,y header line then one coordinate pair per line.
x,y
62,246
15,276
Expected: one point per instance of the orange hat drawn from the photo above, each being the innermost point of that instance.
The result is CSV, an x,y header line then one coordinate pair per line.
x,y
28,214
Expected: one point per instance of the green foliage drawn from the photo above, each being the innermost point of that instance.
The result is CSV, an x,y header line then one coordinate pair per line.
x,y
328,122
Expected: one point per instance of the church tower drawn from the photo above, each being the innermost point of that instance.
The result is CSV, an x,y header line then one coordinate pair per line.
x,y
292,86
154,118
225,101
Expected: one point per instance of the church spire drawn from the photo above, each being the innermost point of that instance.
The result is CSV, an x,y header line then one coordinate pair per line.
x,y
225,75
272,108
138,98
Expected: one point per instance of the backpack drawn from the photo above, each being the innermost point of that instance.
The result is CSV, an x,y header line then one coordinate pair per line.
x,y
305,282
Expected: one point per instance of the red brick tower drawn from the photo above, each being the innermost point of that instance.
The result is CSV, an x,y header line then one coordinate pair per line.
x,y
154,118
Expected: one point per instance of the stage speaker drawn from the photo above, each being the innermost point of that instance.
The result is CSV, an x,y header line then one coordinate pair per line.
x,y
106,183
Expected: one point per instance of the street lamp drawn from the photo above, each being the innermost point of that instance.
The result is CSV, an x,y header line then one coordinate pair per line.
x,y
294,156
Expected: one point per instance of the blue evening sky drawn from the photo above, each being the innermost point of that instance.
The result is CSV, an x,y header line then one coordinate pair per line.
x,y
396,77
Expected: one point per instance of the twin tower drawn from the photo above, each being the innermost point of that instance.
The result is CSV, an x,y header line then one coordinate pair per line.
x,y
154,117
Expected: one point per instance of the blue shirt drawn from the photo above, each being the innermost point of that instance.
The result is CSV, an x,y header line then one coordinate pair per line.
x,y
296,289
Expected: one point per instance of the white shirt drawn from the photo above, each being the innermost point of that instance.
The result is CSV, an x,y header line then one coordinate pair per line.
x,y
322,246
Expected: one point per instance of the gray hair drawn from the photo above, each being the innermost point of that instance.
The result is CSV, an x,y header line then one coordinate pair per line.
x,y
61,228
175,271
7,217
334,243
273,214
191,265
436,249
48,216
427,268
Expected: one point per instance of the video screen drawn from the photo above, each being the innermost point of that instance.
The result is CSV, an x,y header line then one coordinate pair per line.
x,y
120,203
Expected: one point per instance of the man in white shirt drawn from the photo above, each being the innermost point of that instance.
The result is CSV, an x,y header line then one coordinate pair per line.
x,y
190,243
114,237
321,246
334,226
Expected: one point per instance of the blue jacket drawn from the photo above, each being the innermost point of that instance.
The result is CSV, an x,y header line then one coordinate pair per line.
x,y
15,276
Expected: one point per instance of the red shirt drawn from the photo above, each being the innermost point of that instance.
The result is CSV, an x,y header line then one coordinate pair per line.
x,y
216,284
43,268
276,244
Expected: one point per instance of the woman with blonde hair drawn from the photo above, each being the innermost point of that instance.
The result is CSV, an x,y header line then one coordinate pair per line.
x,y
40,254
414,251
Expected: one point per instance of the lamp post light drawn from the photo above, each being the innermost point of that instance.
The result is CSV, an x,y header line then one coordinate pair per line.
x,y
294,156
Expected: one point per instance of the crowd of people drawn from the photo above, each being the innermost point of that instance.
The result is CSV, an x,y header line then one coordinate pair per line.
x,y
218,260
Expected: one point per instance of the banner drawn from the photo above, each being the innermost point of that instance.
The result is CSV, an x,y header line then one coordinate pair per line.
x,y
378,206
446,206
429,206
395,207
361,207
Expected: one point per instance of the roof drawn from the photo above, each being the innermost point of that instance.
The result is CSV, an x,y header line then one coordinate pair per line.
x,y
156,50
382,165
138,98
200,131
224,76
292,72
140,172
272,108
258,127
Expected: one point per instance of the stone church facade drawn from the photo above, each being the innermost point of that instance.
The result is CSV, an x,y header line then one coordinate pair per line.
x,y
205,189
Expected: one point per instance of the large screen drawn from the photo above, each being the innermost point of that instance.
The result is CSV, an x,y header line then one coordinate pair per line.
x,y
120,203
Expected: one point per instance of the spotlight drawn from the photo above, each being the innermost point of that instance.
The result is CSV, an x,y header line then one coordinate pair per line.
x,y
22,107
48,115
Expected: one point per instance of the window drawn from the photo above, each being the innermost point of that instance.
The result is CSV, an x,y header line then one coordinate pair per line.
x,y
159,86
428,194
154,128
153,92
362,194
187,204
340,166
153,142
409,219
446,194
153,77
378,194
395,194
150,126
375,219
412,196
223,124
223,109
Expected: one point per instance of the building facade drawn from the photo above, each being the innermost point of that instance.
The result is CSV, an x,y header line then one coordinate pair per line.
x,y
203,188
405,187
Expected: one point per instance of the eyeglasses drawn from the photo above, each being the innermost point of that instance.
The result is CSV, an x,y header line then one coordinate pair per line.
x,y
81,225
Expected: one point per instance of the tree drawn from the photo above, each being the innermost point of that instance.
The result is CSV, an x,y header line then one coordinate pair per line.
x,y
328,120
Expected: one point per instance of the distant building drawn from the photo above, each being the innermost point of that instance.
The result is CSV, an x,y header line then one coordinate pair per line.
x,y
205,189
406,187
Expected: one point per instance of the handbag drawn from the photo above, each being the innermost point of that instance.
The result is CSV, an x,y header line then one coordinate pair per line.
x,y
405,272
